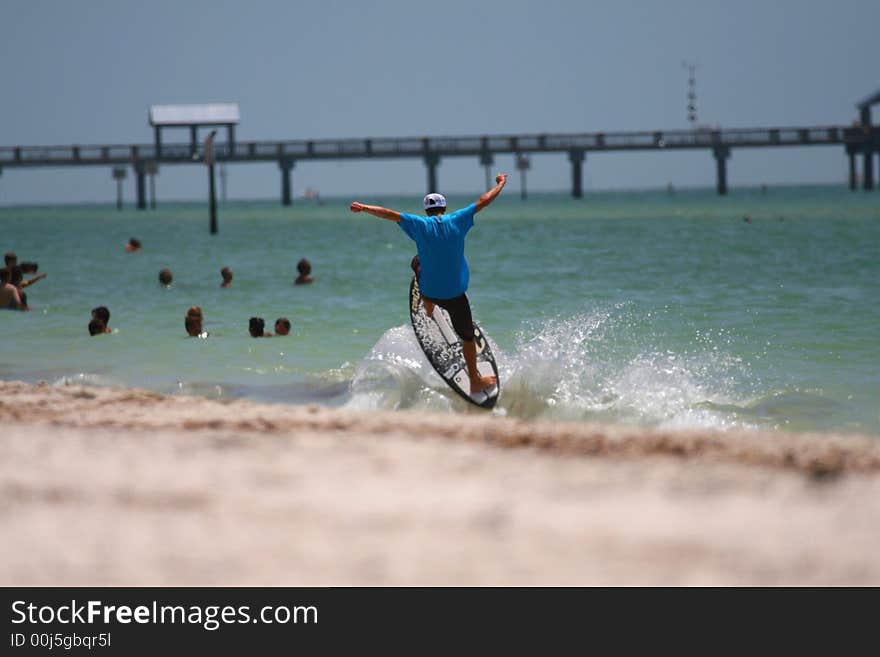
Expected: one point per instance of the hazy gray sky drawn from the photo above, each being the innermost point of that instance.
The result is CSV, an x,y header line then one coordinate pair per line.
x,y
79,71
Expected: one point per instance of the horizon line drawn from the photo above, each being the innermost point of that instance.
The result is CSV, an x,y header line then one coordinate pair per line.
x,y
273,200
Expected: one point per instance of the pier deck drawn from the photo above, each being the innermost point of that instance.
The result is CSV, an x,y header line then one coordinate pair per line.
x,y
720,142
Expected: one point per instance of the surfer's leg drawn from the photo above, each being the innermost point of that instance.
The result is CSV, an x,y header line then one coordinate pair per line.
x,y
478,383
459,310
429,307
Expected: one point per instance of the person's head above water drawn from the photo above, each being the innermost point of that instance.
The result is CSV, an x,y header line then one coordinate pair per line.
x,y
226,273
282,326
165,277
96,326
134,244
102,313
434,204
10,259
193,325
304,267
256,327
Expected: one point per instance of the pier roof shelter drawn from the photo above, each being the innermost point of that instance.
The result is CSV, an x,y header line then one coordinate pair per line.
x,y
193,117
864,107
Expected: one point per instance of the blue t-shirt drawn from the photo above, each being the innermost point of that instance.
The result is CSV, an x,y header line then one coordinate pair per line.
x,y
440,240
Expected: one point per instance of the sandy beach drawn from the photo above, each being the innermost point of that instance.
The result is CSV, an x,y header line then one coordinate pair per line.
x,y
130,487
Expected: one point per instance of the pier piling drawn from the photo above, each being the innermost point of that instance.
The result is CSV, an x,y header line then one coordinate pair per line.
x,y
868,165
523,164
140,177
722,153
286,164
851,156
432,160
577,157
210,160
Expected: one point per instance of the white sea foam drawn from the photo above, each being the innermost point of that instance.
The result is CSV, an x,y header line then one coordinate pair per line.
x,y
86,379
601,365
396,374
610,364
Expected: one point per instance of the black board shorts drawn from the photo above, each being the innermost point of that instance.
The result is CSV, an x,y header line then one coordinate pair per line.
x,y
459,309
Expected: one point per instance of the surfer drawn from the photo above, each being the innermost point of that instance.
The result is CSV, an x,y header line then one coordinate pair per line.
x,y
444,272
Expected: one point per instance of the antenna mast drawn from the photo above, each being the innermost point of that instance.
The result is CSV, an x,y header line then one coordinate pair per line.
x,y
691,93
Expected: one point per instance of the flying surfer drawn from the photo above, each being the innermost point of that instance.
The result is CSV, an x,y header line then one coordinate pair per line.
x,y
444,273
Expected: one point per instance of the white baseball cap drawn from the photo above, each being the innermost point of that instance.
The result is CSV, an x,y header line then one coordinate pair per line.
x,y
434,201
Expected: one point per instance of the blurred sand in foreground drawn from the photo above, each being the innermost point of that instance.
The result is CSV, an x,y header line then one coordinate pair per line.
x,y
130,487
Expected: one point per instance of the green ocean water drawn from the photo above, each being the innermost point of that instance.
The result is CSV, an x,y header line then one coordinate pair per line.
x,y
648,308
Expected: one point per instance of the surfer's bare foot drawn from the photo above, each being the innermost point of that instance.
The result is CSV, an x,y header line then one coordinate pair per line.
x,y
429,307
482,383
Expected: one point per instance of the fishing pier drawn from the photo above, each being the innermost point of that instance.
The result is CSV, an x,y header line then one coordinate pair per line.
x,y
861,143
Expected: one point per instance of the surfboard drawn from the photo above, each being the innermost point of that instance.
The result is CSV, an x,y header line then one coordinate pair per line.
x,y
443,349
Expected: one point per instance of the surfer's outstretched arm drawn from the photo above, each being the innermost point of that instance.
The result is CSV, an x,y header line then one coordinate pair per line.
x,y
376,211
488,197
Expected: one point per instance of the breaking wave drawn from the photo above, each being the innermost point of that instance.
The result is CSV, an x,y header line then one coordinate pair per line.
x,y
607,365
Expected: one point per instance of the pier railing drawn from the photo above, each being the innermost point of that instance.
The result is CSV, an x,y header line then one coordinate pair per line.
x,y
398,147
